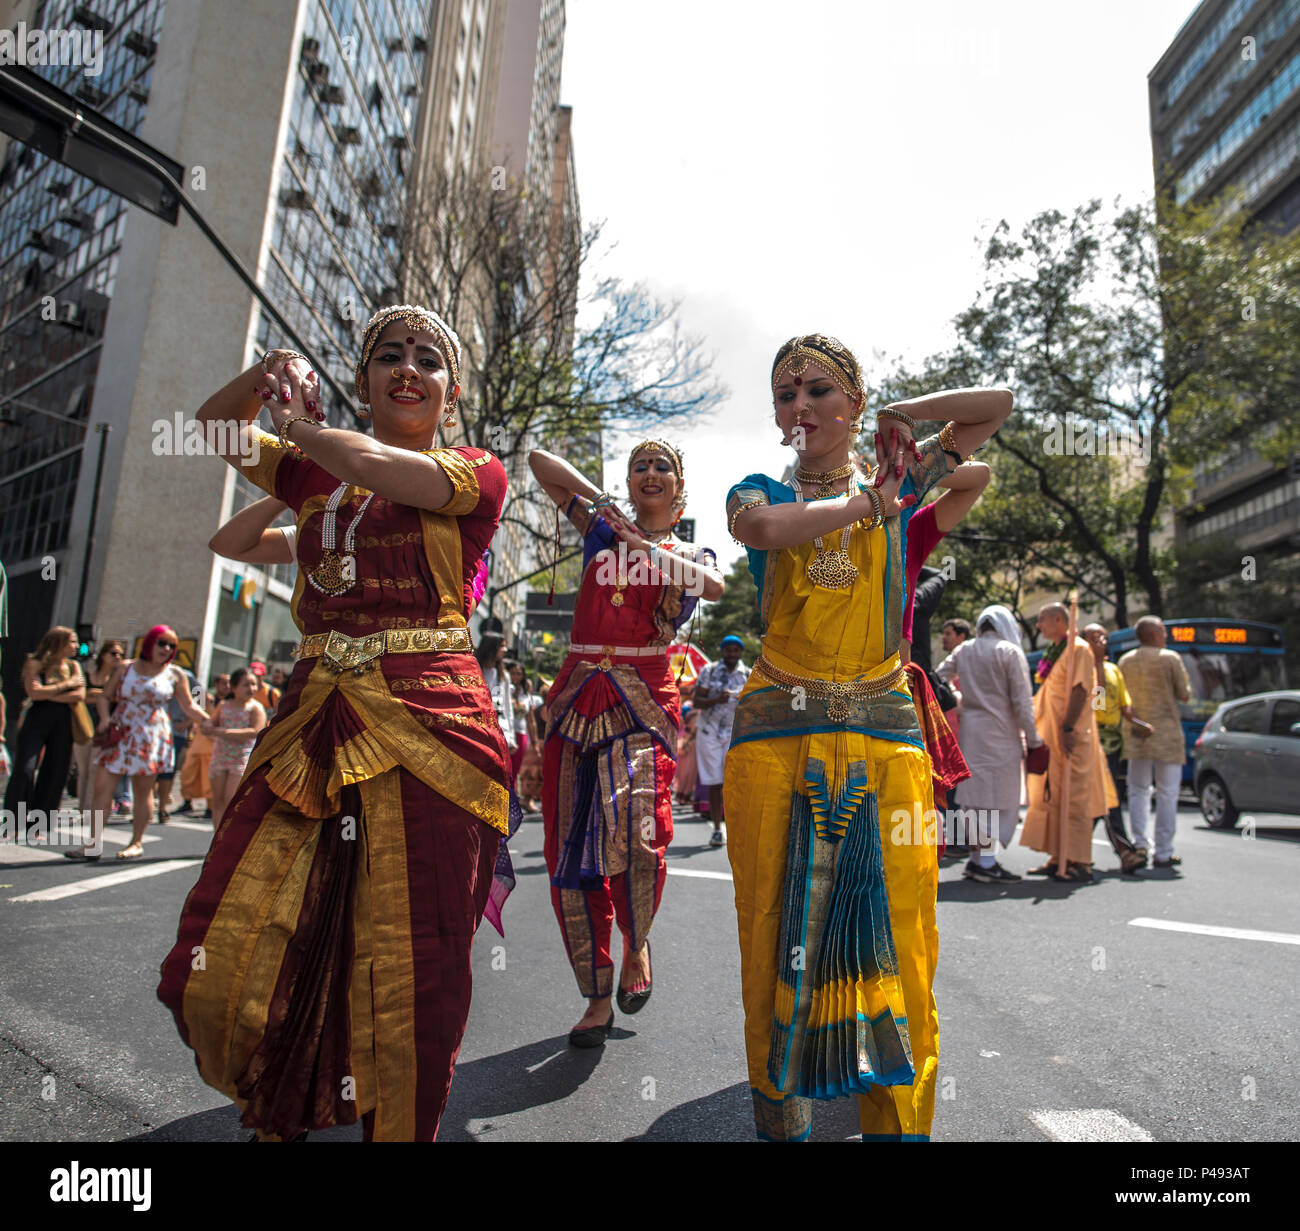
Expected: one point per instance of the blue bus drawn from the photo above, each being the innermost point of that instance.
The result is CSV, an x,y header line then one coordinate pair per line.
x,y
1225,659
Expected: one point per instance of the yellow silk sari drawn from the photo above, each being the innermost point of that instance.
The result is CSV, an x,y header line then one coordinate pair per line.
x,y
833,845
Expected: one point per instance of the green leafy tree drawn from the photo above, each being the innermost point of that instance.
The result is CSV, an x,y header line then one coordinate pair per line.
x,y
1137,343
735,612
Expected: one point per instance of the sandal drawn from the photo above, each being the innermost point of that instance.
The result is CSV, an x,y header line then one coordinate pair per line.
x,y
128,853
1047,869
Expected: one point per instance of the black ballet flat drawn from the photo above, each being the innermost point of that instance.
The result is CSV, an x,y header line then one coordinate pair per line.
x,y
592,1036
634,1002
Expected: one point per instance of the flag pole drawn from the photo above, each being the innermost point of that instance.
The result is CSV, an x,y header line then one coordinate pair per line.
x,y
1063,825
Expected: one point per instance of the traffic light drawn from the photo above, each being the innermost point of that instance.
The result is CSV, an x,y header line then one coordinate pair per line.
x,y
86,635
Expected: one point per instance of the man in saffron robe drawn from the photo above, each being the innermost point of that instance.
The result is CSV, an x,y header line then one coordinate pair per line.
x,y
1068,726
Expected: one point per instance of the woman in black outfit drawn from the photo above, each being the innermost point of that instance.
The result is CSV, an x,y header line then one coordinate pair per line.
x,y
53,683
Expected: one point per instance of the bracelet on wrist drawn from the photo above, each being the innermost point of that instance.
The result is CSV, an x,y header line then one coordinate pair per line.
x,y
284,428
278,353
901,415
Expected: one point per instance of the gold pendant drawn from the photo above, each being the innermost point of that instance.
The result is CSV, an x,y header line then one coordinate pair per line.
x,y
617,598
837,709
833,570
328,576
825,490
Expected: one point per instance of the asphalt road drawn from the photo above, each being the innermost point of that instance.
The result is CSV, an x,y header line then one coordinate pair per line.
x,y
1059,1017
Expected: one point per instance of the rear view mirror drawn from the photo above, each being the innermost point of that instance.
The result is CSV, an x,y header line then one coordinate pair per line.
x,y
1295,729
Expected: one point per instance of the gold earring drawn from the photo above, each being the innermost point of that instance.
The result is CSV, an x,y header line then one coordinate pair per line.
x,y
363,412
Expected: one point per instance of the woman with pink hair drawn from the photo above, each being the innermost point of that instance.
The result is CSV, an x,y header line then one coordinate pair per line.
x,y
137,740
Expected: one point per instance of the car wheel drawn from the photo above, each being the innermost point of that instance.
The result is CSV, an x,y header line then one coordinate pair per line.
x,y
1216,804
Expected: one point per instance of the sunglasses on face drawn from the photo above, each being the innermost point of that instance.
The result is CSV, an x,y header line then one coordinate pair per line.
x,y
165,645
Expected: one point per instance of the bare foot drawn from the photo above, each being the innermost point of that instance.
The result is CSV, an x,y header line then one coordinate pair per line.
x,y
597,1013
635,975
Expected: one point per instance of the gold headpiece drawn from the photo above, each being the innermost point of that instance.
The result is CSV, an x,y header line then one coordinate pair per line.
x,y
414,318
657,446
828,353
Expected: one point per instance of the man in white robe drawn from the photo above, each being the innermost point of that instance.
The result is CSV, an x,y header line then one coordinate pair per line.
x,y
997,710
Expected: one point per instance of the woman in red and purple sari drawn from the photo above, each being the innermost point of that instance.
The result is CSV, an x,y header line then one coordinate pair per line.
x,y
322,968
614,716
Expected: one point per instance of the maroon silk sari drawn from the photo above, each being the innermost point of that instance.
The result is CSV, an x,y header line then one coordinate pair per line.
x,y
321,971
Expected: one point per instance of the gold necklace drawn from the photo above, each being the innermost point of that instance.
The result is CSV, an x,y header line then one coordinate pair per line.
x,y
825,479
832,570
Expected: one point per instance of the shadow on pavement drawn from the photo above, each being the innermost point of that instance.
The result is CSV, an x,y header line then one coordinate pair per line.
x,y
530,1076
728,1115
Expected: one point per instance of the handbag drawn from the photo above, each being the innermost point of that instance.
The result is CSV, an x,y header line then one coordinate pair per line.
x,y
83,729
943,692
111,736
1036,760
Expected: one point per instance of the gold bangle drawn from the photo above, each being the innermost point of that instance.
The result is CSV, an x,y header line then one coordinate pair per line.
x,y
739,509
900,415
948,443
878,503
277,353
284,427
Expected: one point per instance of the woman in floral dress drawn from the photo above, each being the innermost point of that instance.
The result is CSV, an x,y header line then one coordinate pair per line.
x,y
141,689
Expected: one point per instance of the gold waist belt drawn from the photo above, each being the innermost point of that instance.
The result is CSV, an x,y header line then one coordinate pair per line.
x,y
342,651
839,696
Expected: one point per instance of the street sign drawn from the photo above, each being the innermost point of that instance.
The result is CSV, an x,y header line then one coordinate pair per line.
x,y
70,132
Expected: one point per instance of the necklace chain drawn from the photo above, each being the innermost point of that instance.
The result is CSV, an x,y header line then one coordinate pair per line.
x,y
330,577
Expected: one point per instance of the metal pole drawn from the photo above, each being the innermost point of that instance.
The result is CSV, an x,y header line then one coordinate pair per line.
x,y
103,429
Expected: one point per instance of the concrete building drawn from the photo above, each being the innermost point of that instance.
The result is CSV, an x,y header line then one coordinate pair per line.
x,y
1225,113
302,147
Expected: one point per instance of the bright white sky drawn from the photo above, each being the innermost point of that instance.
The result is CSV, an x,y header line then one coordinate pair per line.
x,y
787,168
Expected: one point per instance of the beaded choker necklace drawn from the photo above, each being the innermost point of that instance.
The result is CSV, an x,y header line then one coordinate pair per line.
x,y
825,479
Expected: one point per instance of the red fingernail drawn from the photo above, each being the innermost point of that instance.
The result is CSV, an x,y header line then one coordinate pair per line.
x,y
320,416
266,394
879,477
906,502
311,405
898,471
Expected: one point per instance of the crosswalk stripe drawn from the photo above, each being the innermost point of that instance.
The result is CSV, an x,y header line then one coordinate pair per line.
x,y
196,826
700,872
1206,929
17,852
1087,1124
90,883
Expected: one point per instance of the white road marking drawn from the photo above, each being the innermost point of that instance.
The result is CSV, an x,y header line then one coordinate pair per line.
x,y
122,837
91,883
713,876
197,826
1087,1124
19,852
1206,929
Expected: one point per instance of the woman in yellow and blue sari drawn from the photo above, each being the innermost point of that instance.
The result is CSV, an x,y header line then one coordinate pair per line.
x,y
833,837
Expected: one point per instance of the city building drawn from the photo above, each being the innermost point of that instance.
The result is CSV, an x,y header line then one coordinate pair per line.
x,y
1225,114
303,147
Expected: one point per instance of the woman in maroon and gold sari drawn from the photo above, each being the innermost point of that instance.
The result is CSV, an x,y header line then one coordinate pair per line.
x,y
322,968
614,716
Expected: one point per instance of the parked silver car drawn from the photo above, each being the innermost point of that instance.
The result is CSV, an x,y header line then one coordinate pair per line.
x,y
1248,758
